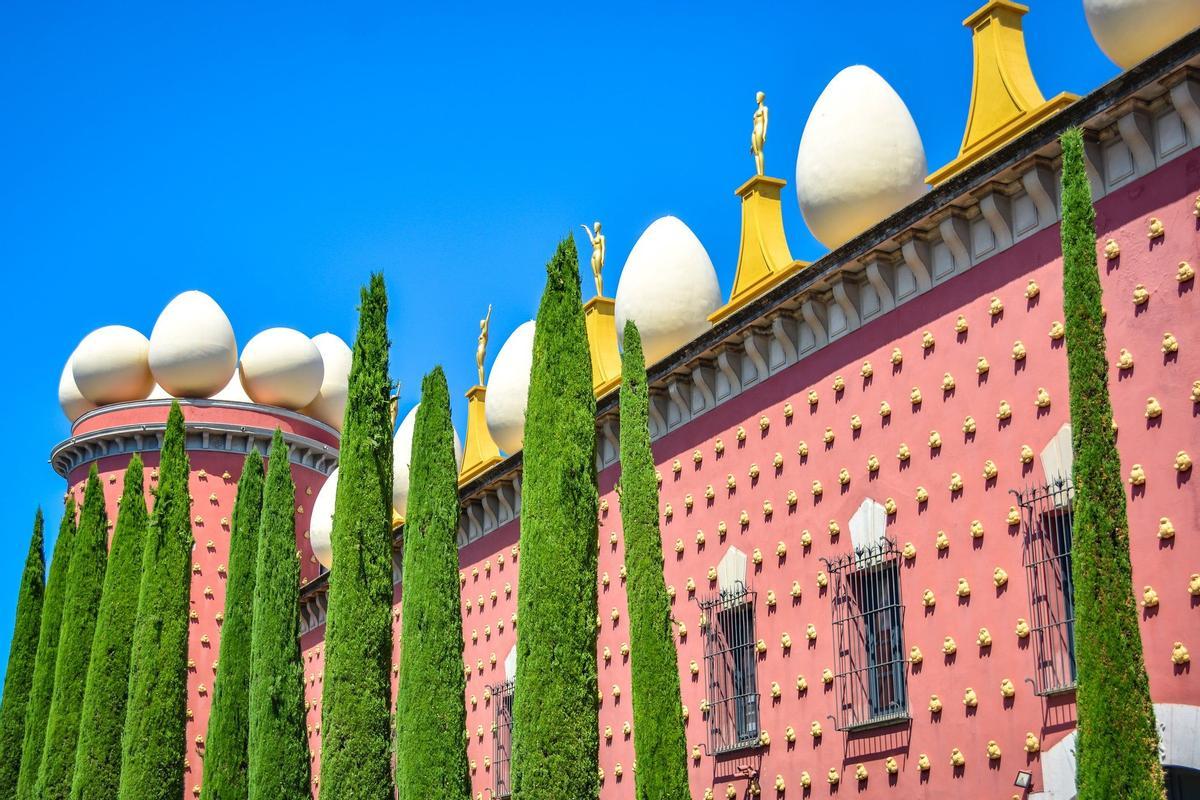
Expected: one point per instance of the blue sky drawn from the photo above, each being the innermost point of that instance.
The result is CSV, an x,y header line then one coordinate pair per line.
x,y
273,155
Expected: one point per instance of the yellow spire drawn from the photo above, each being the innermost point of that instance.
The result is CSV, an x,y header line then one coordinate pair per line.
x,y
599,316
480,451
764,259
1005,98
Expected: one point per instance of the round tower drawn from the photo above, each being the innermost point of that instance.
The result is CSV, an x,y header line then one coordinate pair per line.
x,y
220,433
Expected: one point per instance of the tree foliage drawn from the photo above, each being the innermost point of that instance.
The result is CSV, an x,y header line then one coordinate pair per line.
x,y
431,744
356,703
97,772
152,745
85,582
278,746
225,761
555,711
22,656
659,742
42,689
1117,746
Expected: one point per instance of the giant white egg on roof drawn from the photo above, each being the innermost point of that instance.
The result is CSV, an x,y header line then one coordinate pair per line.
x,y
1129,31
281,367
402,460
70,399
508,389
860,157
193,352
668,287
110,365
329,406
320,524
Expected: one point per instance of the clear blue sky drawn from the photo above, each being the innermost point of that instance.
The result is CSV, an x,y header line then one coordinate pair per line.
x,y
273,155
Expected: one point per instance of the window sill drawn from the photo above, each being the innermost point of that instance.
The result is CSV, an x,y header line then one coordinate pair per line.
x,y
898,718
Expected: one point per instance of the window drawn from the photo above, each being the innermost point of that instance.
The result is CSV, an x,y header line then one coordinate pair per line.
x,y
1182,782
1046,553
731,669
868,623
502,721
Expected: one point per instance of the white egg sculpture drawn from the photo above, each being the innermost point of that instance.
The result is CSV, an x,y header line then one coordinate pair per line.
x,y
508,389
233,391
402,459
1130,30
70,399
281,367
110,365
329,406
320,524
193,352
668,287
860,157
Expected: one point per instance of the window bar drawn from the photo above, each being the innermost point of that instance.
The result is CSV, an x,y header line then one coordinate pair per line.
x,y
730,666
502,697
1047,520
868,620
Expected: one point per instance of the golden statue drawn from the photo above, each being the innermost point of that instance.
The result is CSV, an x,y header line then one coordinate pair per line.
x,y
597,239
394,405
758,137
481,350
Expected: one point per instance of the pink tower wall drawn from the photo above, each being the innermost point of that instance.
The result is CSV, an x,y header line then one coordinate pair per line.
x,y
1169,194
213,498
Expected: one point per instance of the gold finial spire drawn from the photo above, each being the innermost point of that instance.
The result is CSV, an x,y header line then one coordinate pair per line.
x,y
480,451
764,259
597,239
599,317
1005,98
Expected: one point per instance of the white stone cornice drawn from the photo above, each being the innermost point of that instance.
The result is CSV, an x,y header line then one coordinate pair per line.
x,y
214,437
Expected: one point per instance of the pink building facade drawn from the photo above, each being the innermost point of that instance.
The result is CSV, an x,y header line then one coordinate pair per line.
x,y
843,484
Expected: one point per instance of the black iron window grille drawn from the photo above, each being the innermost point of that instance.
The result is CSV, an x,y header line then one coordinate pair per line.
x,y
502,721
1046,518
731,669
868,624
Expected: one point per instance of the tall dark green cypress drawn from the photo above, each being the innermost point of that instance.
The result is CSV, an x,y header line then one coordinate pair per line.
x,y
225,762
278,745
42,690
81,603
22,656
152,744
555,708
659,742
356,704
1117,747
98,757
431,744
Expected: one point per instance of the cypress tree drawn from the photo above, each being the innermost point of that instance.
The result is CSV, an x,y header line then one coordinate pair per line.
x,y
42,690
555,708
152,744
225,762
98,759
278,745
22,655
356,704
85,582
659,743
431,744
1117,745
